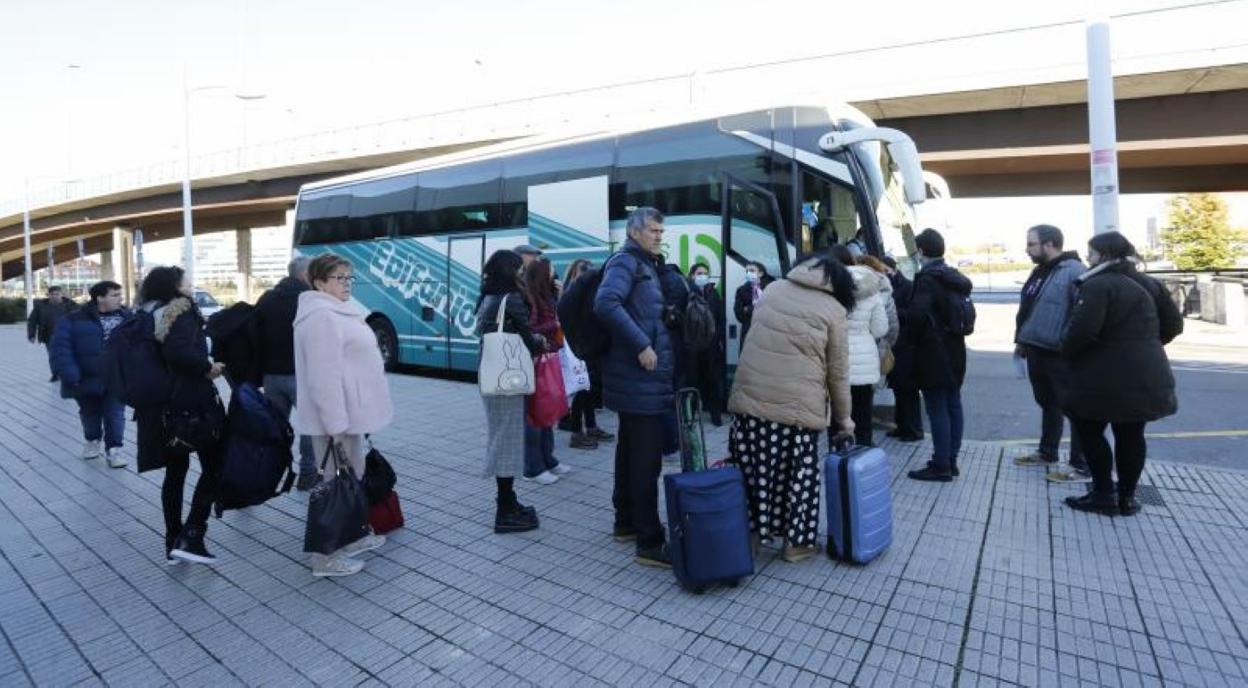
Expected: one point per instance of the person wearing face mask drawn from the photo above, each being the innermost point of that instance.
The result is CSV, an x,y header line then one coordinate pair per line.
x,y
748,294
706,366
1119,373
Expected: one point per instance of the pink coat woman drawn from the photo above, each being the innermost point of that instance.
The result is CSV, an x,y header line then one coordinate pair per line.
x,y
340,377
341,392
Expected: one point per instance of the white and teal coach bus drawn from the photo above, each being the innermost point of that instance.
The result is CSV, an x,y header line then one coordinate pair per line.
x,y
766,185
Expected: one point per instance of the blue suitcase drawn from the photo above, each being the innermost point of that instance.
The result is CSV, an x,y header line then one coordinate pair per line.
x,y
860,503
709,527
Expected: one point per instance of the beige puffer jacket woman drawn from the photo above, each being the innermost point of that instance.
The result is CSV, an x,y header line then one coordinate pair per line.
x,y
868,323
796,360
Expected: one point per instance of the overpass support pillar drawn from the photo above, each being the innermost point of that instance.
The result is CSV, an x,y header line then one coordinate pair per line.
x,y
117,264
106,264
242,239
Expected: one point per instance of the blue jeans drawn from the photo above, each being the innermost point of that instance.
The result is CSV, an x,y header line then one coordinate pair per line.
x,y
539,450
102,417
944,416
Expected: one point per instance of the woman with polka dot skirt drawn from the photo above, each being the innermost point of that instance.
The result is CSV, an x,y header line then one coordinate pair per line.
x,y
792,381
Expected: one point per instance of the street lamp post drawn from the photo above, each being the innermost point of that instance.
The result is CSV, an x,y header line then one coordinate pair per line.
x,y
188,225
30,294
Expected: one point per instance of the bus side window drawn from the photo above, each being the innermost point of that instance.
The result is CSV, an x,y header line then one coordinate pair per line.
x,y
465,197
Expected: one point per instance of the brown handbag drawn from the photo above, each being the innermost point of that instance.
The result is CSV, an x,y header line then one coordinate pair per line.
x,y
887,362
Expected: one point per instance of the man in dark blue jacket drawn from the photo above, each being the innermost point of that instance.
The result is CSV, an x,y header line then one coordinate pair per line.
x,y
77,356
1045,304
637,375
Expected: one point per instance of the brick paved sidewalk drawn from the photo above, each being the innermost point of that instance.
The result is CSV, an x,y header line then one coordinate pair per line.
x,y
989,580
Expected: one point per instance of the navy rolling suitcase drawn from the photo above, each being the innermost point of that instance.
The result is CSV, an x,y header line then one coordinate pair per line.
x,y
707,515
860,503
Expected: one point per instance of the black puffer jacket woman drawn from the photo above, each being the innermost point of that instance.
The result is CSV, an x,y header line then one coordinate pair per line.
x,y
1120,375
190,422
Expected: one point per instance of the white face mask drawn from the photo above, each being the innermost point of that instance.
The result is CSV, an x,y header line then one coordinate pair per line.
x,y
751,276
701,280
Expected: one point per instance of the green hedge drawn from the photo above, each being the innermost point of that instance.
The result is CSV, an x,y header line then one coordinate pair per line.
x,y
12,311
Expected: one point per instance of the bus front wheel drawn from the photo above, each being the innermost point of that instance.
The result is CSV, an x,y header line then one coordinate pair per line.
x,y
387,341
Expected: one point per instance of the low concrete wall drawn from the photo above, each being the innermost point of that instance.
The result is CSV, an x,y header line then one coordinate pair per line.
x,y
1222,301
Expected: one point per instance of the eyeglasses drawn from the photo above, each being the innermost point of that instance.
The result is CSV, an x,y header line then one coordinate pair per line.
x,y
343,279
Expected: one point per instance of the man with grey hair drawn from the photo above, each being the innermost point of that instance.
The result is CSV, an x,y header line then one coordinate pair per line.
x,y
637,374
275,313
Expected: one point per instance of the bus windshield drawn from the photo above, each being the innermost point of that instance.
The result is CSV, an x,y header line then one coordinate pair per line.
x,y
888,200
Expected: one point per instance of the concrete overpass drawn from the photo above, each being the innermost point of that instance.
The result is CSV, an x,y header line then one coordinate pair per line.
x,y
1183,130
1180,123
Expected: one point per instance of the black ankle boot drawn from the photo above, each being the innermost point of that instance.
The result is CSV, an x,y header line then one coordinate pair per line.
x,y
190,546
170,560
514,517
1127,506
1094,502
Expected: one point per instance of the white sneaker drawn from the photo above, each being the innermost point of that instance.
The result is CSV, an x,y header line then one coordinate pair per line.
x,y
115,459
332,567
367,543
543,478
561,469
91,450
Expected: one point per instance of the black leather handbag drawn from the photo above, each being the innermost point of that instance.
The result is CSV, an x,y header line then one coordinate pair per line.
x,y
337,507
196,430
379,477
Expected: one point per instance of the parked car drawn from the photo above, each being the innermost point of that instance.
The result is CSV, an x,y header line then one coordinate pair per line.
x,y
207,304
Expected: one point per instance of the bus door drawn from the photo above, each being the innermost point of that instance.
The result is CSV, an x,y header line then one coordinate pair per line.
x,y
753,231
465,255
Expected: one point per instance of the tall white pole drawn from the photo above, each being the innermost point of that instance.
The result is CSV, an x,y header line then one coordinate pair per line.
x,y
188,247
1102,132
30,294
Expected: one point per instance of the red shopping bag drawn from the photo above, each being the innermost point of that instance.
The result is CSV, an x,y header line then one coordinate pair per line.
x,y
549,402
386,515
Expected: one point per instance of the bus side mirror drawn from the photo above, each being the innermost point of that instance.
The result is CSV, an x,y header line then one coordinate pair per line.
x,y
900,147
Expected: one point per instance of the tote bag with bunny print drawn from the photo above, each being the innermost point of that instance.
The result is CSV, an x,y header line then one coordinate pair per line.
x,y
506,368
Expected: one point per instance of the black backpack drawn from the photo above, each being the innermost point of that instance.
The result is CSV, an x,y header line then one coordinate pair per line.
x,y
379,478
958,310
137,373
257,463
582,330
700,328
962,310
236,342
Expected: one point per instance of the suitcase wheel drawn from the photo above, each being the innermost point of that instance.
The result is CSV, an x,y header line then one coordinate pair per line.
x,y
734,583
698,590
